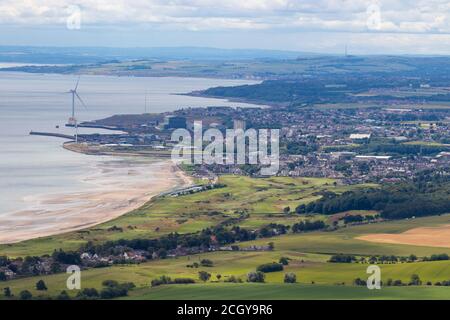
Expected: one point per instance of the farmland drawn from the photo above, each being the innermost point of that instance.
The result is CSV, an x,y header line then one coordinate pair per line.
x,y
263,202
263,199
285,292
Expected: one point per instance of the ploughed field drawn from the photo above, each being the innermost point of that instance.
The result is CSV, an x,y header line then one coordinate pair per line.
x,y
424,236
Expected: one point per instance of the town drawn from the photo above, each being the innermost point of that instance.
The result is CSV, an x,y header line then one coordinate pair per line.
x,y
353,145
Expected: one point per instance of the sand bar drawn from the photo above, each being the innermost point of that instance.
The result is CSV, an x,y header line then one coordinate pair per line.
x,y
115,191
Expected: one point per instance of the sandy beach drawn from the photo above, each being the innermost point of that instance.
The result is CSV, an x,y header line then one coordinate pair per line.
x,y
116,188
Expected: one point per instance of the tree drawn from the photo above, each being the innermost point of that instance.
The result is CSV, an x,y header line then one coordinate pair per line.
x,y
110,283
162,280
206,263
114,292
162,253
284,261
287,210
4,261
40,286
257,276
218,276
359,282
342,258
204,276
55,267
2,276
415,280
270,267
290,277
88,293
7,292
63,296
25,295
301,209
70,257
233,279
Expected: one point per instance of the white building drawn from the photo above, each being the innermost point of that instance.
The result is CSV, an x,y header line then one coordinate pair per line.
x,y
360,136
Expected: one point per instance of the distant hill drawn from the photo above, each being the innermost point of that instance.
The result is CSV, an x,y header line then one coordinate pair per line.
x,y
79,55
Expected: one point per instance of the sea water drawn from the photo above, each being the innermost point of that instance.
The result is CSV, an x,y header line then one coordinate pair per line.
x,y
35,166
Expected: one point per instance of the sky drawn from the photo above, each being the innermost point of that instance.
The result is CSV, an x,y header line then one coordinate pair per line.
x,y
325,26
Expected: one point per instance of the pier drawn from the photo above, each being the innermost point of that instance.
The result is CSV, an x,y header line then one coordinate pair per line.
x,y
96,126
52,134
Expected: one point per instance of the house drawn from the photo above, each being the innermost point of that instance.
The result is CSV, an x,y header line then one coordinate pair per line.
x,y
375,158
360,136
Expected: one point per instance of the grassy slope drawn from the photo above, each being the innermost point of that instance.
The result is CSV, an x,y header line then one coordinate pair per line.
x,y
285,292
309,252
192,213
314,268
343,241
309,267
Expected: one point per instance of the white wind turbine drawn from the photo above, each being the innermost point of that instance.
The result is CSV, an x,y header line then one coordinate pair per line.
x,y
73,119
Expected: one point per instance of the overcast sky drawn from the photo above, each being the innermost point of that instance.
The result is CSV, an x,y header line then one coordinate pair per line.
x,y
365,26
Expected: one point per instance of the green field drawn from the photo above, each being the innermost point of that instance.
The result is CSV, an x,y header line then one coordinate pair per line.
x,y
343,240
309,268
308,252
286,292
263,200
427,143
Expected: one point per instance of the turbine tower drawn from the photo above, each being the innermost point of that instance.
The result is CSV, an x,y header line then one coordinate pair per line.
x,y
73,119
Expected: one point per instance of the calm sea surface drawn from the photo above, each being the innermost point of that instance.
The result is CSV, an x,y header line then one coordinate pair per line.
x,y
32,166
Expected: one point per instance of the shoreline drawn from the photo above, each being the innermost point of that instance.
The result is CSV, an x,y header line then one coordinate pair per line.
x,y
260,103
29,217
119,191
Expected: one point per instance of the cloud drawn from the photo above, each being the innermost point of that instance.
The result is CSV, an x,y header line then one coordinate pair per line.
x,y
405,16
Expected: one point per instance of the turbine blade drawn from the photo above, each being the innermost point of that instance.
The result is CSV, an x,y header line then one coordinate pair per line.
x,y
81,100
78,81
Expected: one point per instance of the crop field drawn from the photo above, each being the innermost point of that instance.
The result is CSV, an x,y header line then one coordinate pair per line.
x,y
423,236
308,253
344,240
309,269
285,292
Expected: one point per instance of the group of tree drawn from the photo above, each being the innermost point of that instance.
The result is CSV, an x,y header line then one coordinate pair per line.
x,y
257,276
270,267
385,259
290,277
342,258
220,235
167,280
426,195
272,229
111,289
357,218
305,226
204,276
